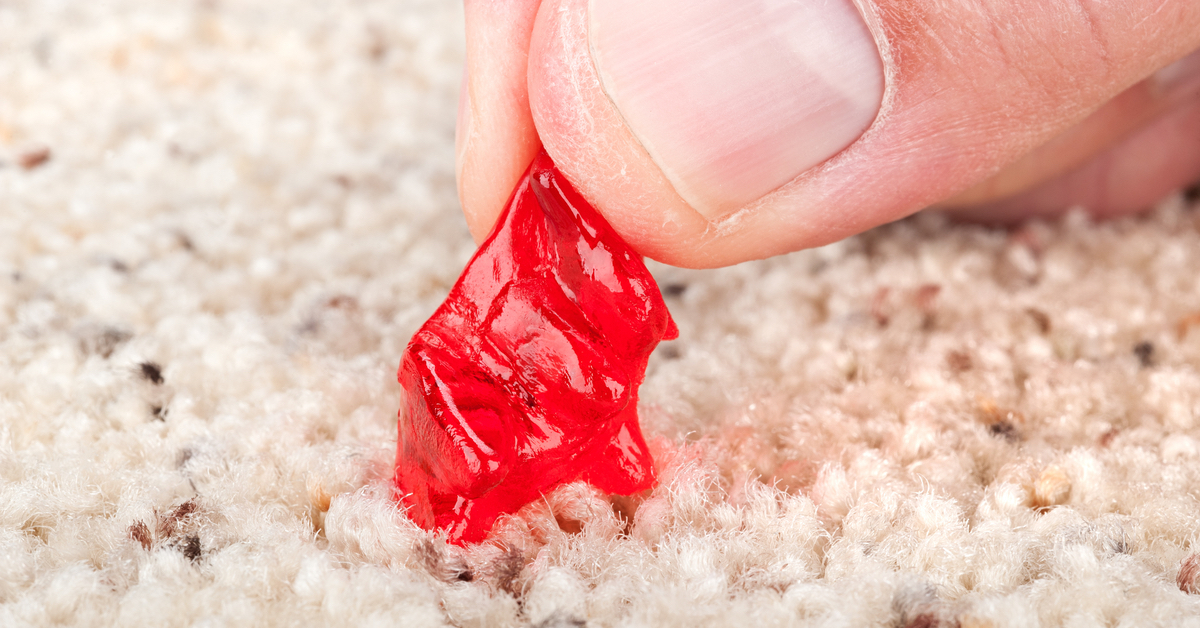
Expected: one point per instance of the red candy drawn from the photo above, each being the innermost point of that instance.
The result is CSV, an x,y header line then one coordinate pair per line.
x,y
527,376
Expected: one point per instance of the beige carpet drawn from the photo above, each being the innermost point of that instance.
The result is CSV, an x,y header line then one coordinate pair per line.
x,y
220,221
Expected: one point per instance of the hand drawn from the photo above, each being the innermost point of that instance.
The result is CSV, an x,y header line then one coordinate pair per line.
x,y
710,132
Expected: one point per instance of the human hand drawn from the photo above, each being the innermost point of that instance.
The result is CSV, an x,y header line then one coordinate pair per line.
x,y
714,132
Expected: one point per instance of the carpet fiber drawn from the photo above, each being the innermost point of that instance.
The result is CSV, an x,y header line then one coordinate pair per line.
x,y
220,221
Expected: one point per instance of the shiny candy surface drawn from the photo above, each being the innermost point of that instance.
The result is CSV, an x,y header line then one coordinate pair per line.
x,y
527,376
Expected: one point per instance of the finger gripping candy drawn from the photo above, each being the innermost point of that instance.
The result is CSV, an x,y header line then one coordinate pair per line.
x,y
526,377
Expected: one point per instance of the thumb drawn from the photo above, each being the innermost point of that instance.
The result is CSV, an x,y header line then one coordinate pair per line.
x,y
710,133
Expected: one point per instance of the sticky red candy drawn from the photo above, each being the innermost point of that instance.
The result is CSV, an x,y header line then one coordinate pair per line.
x,y
527,376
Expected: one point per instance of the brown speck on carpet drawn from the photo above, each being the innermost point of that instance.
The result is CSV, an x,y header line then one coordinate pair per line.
x,y
151,372
33,158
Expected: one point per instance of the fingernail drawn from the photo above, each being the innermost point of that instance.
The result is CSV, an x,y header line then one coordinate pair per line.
x,y
734,98
1180,80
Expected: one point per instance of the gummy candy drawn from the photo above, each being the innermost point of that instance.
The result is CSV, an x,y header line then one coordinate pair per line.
x,y
526,377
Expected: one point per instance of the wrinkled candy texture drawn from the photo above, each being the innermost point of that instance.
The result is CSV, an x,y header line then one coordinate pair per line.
x,y
527,376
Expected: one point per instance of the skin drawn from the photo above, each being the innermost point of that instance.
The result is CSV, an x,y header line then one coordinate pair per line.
x,y
994,110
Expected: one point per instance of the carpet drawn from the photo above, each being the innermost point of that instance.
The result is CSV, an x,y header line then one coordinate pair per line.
x,y
221,220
